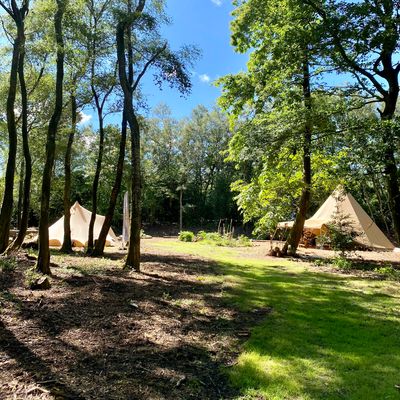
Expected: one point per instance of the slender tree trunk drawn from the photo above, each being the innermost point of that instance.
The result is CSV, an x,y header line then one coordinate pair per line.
x,y
181,210
67,242
43,264
133,257
96,181
27,155
101,241
296,232
7,205
20,193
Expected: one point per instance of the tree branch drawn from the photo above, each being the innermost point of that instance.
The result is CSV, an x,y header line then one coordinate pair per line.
x,y
147,65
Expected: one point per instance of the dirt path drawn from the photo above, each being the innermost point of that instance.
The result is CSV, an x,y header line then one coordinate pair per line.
x,y
102,333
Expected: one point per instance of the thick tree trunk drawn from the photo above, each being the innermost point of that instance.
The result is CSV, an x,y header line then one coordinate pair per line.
x,y
101,241
8,198
67,242
391,170
43,263
27,155
296,232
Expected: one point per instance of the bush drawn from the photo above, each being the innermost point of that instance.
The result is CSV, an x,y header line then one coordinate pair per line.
x,y
341,240
31,276
217,239
319,262
388,272
186,236
8,264
201,235
244,241
342,263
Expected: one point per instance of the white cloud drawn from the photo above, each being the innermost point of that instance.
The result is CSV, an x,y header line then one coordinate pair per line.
x,y
84,118
204,78
218,3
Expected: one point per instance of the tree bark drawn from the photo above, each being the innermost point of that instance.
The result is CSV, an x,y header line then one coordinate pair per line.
x,y
67,242
8,199
296,232
20,193
25,144
133,257
101,241
391,170
43,263
181,209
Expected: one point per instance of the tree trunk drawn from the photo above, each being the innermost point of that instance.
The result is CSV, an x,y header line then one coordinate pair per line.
x,y
27,155
391,170
20,193
7,205
296,232
96,181
181,210
133,257
43,263
67,242
101,241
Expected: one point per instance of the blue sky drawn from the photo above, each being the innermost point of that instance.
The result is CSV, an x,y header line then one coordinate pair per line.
x,y
204,23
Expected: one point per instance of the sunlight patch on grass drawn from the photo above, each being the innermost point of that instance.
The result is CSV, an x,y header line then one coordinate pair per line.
x,y
329,336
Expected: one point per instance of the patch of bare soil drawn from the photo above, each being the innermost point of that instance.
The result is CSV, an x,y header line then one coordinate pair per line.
x,y
164,333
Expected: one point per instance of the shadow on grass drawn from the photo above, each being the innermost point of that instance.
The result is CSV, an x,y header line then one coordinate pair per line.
x,y
329,337
165,333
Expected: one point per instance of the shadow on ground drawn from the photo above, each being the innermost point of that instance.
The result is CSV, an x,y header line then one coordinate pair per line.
x,y
161,334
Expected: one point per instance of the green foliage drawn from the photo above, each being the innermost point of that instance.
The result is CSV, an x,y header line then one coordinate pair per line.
x,y
342,263
340,239
227,240
388,272
186,236
31,277
187,154
8,264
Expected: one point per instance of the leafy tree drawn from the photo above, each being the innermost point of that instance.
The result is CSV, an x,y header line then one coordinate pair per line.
x,y
274,95
150,51
102,82
362,38
43,263
18,15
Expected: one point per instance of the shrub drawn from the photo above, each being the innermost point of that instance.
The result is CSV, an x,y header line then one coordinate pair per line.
x,y
8,264
186,236
342,263
217,239
31,276
201,235
388,272
244,241
319,262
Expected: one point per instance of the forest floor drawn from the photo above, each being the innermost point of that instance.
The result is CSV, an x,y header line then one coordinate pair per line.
x,y
199,322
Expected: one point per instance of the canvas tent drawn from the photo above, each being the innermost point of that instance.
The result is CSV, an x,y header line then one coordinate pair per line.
x,y
344,204
80,218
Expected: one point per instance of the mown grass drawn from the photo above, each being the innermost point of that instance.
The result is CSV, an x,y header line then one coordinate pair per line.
x,y
329,336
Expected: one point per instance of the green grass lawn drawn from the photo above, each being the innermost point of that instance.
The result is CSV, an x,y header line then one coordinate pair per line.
x,y
329,336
